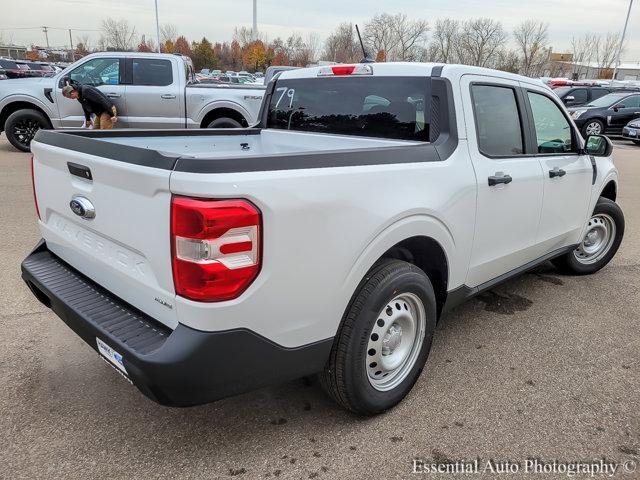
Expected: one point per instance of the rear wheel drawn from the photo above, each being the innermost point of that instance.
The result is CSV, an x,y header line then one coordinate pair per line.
x,y
600,243
22,125
224,122
384,339
637,142
592,127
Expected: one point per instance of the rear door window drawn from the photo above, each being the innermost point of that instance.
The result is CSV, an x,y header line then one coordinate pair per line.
x,y
152,72
598,92
383,107
497,121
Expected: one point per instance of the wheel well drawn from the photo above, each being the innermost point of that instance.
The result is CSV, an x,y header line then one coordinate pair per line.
x,y
223,112
12,107
609,191
426,254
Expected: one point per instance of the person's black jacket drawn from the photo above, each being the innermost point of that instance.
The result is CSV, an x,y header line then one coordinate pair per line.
x,y
94,101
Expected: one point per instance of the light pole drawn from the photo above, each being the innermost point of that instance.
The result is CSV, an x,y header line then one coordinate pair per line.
x,y
158,27
255,19
624,32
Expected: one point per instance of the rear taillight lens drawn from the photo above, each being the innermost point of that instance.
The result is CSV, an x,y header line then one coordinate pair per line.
x,y
216,247
33,186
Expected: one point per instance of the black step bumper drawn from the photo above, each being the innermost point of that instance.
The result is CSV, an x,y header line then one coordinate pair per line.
x,y
180,367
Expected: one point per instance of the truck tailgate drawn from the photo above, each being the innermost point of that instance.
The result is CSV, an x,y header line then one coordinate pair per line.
x,y
126,246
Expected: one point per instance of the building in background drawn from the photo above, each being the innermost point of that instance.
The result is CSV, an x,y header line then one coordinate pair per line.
x,y
13,51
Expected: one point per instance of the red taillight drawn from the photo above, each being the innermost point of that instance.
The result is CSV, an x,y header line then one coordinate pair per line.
x,y
343,69
33,186
216,247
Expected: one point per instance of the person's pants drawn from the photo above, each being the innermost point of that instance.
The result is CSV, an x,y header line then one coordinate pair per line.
x,y
102,122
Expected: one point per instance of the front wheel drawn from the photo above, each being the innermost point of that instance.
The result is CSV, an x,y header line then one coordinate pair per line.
x,y
384,340
600,243
22,125
592,127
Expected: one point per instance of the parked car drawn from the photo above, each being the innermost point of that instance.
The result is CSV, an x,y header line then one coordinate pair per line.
x,y
12,70
608,114
150,90
370,198
574,96
632,131
38,69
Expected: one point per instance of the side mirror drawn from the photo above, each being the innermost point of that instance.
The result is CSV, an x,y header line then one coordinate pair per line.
x,y
618,107
64,81
598,146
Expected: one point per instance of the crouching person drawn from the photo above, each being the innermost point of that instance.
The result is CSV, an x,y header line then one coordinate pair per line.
x,y
95,102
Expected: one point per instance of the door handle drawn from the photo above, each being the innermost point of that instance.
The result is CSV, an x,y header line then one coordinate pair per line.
x,y
499,177
113,95
557,172
168,96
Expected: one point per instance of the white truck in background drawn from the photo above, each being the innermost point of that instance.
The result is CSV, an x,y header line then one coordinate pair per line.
x,y
329,239
150,90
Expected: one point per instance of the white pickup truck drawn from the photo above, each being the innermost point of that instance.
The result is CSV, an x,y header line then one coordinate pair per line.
x,y
150,90
329,239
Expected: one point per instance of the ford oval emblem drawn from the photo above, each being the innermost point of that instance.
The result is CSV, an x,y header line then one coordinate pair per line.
x,y
82,207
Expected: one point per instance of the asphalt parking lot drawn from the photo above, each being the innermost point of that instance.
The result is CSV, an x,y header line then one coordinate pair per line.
x,y
545,366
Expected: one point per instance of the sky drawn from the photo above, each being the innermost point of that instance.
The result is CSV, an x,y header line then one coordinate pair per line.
x,y
216,19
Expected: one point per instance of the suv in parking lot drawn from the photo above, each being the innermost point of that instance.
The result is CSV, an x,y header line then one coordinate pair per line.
x,y
575,96
608,114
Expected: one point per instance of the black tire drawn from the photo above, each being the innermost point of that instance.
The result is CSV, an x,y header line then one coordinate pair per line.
x,y
21,126
224,122
569,263
637,142
345,377
593,121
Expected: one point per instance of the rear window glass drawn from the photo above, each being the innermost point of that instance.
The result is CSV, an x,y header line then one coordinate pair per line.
x,y
384,107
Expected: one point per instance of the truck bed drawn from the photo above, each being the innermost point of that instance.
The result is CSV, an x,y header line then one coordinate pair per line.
x,y
219,142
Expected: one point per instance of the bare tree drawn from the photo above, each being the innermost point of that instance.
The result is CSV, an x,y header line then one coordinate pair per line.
x,y
531,38
583,49
479,41
411,36
85,41
399,37
379,35
313,44
342,46
444,40
168,33
606,49
117,34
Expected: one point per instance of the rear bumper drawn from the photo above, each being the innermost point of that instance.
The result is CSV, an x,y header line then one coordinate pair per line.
x,y
631,133
180,367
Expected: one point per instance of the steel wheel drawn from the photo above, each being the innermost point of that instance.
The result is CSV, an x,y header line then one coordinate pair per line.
x,y
600,235
395,341
25,129
593,128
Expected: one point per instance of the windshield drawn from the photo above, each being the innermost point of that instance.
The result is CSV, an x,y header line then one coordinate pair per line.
x,y
384,107
8,64
561,91
607,100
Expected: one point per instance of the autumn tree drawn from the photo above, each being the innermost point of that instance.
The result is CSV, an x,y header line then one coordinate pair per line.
x,y
144,46
33,55
182,47
203,55
254,55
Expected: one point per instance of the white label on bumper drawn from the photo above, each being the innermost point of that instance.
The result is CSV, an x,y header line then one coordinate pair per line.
x,y
110,354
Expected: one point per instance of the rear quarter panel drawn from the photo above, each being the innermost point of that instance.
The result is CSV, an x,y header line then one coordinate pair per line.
x,y
323,229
